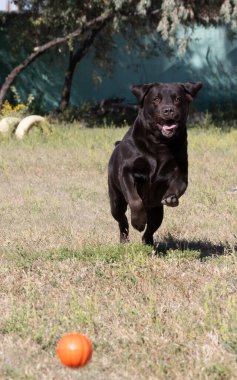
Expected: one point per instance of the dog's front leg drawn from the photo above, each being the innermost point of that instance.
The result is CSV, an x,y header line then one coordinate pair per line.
x,y
177,187
138,213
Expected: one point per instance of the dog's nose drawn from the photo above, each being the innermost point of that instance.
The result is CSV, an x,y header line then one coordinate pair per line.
x,y
168,111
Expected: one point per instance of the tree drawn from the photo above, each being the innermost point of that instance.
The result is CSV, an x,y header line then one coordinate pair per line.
x,y
93,26
75,57
51,23
79,24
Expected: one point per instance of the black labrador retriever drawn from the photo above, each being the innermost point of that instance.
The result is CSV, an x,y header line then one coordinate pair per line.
x,y
149,167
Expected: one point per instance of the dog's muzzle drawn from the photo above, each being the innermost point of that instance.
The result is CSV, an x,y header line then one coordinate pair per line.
x,y
168,130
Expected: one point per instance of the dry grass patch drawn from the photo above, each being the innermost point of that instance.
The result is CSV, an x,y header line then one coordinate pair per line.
x,y
169,314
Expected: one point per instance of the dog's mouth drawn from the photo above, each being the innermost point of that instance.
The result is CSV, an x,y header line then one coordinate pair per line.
x,y
168,127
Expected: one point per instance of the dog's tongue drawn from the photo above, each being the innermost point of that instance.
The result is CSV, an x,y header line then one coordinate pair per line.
x,y
168,128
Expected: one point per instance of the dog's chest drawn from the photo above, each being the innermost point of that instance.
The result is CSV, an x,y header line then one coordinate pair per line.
x,y
152,185
152,194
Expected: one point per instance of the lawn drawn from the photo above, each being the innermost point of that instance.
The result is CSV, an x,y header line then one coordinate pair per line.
x,y
169,313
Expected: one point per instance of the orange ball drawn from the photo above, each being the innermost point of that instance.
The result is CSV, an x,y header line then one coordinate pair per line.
x,y
74,350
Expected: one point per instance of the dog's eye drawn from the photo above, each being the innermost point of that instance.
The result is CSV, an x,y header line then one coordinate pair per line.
x,y
157,99
177,100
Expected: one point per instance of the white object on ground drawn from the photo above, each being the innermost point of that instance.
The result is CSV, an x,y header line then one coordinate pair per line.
x,y
27,123
8,123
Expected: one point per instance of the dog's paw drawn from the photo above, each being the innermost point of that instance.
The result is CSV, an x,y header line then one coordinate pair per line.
x,y
171,201
147,239
124,237
138,224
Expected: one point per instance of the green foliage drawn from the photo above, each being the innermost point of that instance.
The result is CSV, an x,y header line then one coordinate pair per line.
x,y
19,108
207,122
224,115
90,115
44,21
48,19
70,115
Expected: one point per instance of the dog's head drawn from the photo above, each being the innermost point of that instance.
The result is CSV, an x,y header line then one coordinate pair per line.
x,y
165,105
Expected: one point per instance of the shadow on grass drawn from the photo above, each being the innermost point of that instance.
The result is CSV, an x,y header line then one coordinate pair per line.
x,y
204,248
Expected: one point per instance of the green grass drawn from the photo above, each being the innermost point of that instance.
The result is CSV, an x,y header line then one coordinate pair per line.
x,y
164,313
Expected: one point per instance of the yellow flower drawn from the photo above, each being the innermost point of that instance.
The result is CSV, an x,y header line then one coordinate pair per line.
x,y
6,108
9,110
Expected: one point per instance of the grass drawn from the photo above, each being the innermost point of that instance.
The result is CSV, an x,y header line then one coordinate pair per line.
x,y
169,313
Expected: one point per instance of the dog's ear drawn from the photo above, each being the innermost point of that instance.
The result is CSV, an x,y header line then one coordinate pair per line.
x,y
192,89
140,91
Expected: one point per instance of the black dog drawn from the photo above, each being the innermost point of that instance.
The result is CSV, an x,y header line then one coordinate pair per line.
x,y
149,167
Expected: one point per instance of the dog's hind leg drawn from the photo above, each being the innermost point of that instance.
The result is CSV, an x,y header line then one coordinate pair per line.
x,y
118,209
154,220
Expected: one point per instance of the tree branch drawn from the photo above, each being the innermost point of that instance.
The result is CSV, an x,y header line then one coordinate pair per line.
x,y
38,51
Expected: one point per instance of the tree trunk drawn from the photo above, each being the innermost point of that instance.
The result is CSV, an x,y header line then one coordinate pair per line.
x,y
16,71
73,61
67,84
43,48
